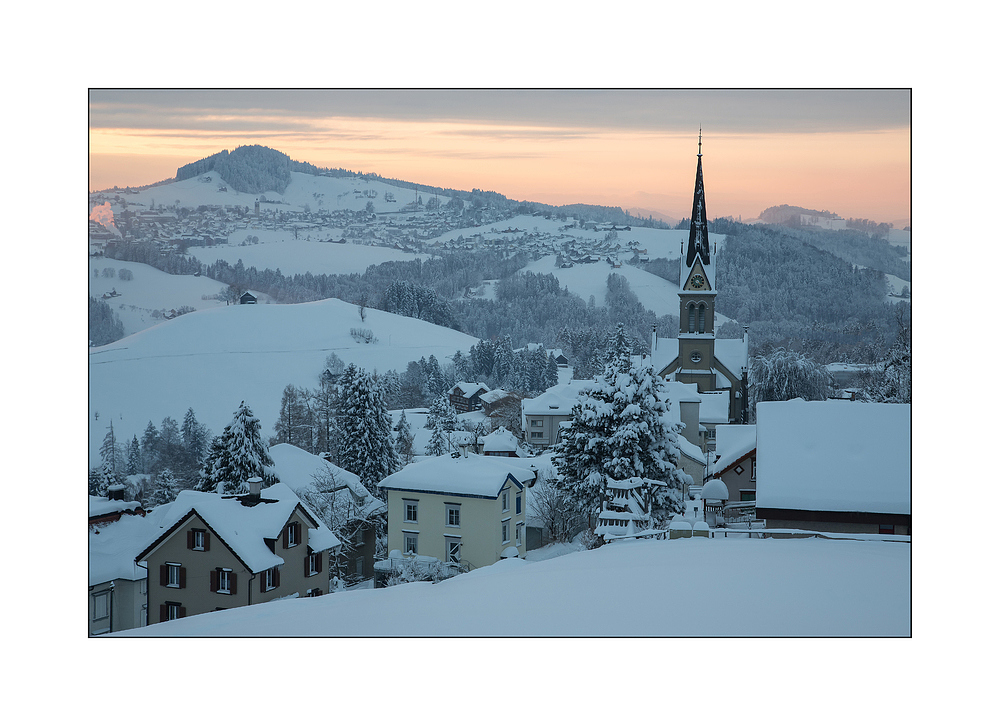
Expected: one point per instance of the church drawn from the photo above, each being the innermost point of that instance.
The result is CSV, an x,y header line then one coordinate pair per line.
x,y
718,367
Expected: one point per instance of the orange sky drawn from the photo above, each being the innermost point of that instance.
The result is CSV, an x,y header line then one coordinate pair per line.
x,y
556,156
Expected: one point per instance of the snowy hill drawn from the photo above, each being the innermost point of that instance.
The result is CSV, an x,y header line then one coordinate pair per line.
x,y
318,192
693,587
211,360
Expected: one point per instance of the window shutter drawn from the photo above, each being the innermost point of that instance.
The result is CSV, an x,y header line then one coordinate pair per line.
x,y
284,537
206,541
263,581
163,575
181,611
277,577
183,577
213,580
163,612
308,570
232,583
190,534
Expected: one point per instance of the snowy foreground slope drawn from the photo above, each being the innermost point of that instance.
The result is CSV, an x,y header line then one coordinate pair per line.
x,y
211,360
696,587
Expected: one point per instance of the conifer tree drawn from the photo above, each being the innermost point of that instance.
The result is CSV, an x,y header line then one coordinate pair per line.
x,y
404,439
133,464
619,431
237,455
165,488
366,447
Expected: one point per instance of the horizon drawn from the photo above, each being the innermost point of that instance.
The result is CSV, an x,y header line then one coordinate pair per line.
x,y
843,151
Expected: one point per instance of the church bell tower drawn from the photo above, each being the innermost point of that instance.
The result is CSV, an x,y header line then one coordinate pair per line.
x,y
696,338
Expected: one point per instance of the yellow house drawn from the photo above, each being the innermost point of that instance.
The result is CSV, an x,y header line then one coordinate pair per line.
x,y
467,511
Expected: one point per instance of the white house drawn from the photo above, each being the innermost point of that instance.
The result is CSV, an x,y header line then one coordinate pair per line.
x,y
466,511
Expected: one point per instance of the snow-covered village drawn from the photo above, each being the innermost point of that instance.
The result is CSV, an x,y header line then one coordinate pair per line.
x,y
376,407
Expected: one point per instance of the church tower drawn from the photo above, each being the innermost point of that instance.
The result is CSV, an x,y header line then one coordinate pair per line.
x,y
696,338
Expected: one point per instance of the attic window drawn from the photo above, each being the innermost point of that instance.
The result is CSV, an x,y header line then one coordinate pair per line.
x,y
739,470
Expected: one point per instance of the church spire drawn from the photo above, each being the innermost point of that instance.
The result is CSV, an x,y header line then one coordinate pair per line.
x,y
698,238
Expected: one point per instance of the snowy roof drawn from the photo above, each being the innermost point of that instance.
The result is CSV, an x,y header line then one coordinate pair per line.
x,y
469,389
678,392
112,549
242,528
496,394
692,451
478,476
557,400
714,407
732,443
99,506
730,352
715,489
501,440
297,467
833,456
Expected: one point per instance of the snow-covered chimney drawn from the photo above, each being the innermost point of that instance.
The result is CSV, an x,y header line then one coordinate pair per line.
x,y
253,486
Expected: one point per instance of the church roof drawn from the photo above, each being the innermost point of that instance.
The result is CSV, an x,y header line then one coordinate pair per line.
x,y
698,254
730,352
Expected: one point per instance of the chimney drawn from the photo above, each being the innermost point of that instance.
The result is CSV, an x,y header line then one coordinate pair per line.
x,y
253,486
116,492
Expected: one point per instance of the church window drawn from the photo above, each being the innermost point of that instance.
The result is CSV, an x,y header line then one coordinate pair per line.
x,y
691,318
701,318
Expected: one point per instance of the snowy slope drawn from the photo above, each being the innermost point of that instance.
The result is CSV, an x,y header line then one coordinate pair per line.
x,y
319,192
695,587
149,290
212,359
654,292
280,250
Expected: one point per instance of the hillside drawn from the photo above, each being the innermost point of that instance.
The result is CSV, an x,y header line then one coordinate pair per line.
x,y
640,588
211,360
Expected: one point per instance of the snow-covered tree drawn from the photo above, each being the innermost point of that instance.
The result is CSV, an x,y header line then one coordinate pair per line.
x,y
194,439
404,439
237,455
133,461
619,430
365,446
441,420
890,380
105,478
111,451
164,488
784,375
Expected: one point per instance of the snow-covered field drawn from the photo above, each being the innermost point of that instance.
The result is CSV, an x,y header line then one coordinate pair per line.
x,y
280,250
694,587
211,360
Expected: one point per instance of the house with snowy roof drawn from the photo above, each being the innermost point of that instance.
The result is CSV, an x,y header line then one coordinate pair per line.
x,y
116,585
541,416
214,552
344,502
834,466
465,397
736,461
502,443
468,511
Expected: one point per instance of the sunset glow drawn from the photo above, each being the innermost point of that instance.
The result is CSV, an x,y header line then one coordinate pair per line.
x,y
855,170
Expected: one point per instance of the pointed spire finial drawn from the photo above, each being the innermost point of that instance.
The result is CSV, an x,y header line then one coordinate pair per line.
x,y
699,139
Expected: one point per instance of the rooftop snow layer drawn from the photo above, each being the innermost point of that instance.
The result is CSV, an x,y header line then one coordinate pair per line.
x,y
474,475
833,456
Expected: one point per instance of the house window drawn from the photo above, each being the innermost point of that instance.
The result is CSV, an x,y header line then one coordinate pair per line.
x,y
224,580
517,504
174,578
102,605
409,510
198,540
454,550
314,563
173,611
517,529
710,434
537,434
269,579
748,495
536,422
505,500
292,538
410,543
453,515
505,531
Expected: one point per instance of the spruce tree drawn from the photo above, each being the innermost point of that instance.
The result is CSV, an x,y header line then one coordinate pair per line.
x,y
618,431
366,442
404,439
165,488
133,464
237,455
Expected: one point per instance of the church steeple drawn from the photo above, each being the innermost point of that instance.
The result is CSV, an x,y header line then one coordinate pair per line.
x,y
698,238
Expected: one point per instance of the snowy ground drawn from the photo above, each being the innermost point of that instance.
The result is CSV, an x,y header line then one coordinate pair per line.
x,y
695,587
212,359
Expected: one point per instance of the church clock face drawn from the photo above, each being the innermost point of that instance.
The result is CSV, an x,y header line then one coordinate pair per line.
x,y
695,356
697,281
